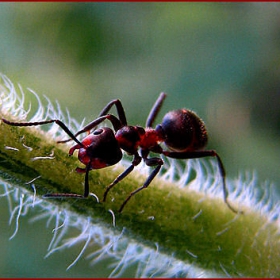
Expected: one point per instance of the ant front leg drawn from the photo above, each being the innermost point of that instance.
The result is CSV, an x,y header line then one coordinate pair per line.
x,y
120,110
135,162
202,154
150,162
60,123
114,120
74,195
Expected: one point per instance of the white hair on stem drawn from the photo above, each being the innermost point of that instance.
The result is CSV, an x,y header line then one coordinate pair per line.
x,y
150,262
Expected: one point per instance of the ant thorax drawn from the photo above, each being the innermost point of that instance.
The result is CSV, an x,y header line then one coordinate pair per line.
x,y
150,139
130,138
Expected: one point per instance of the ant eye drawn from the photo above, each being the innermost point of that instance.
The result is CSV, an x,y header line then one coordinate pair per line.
x,y
97,131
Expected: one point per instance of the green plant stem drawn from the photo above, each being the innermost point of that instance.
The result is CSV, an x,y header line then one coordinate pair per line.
x,y
242,245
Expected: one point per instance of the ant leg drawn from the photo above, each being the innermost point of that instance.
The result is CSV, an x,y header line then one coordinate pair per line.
x,y
150,162
73,195
114,120
136,161
201,154
154,111
120,110
60,123
86,188
117,123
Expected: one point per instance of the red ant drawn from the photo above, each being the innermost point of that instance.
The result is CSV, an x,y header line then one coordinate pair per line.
x,y
182,131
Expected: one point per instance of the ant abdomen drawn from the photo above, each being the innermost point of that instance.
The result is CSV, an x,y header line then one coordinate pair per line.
x,y
184,131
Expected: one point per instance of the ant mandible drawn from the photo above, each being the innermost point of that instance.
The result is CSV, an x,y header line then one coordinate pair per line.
x,y
182,131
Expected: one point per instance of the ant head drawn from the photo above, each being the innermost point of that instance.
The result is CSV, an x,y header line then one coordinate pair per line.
x,y
101,148
184,131
98,137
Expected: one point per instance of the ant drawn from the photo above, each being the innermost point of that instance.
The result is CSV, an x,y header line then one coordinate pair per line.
x,y
182,131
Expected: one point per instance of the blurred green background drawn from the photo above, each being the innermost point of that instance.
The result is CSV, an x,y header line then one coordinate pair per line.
x,y
218,59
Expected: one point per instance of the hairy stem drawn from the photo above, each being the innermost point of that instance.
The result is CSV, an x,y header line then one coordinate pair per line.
x,y
184,222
